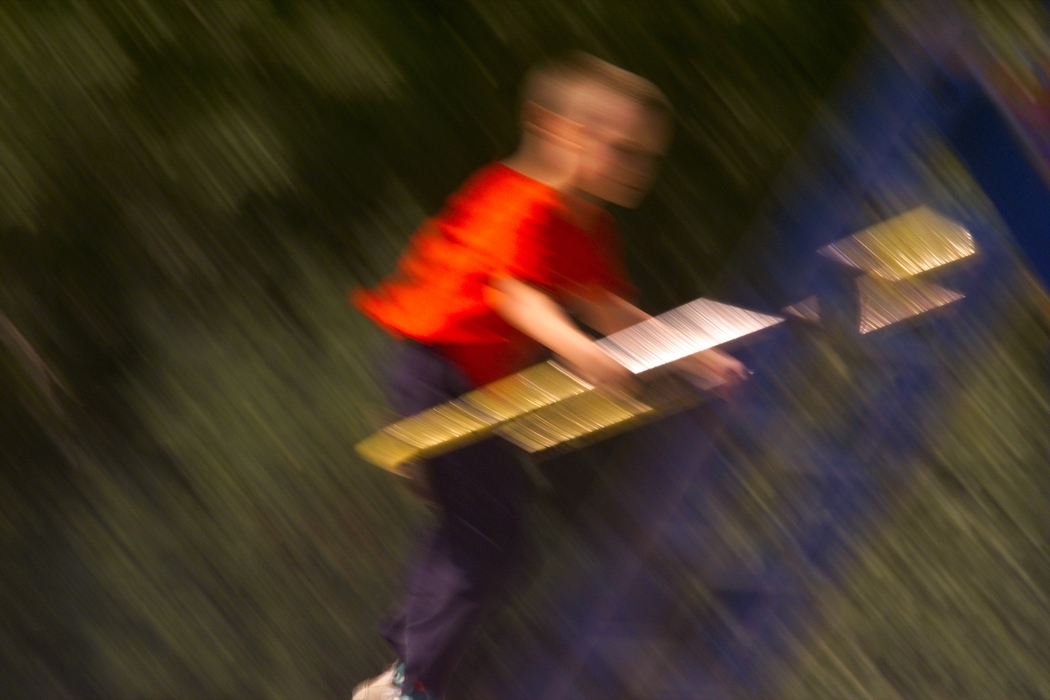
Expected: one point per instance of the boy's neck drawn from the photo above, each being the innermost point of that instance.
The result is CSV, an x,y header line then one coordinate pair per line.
x,y
539,159
543,161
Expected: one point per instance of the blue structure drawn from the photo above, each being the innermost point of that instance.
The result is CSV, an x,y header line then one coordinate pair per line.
x,y
996,158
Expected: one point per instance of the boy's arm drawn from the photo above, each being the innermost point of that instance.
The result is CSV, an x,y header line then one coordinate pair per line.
x,y
538,316
609,313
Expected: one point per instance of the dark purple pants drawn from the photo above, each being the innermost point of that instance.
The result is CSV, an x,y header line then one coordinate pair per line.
x,y
477,541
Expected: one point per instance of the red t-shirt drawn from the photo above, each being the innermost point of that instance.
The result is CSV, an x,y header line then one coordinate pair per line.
x,y
499,223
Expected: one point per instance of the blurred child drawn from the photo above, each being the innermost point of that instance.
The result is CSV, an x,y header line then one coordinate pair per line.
x,y
485,288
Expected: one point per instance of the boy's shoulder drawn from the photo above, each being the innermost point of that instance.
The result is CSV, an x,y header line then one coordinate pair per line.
x,y
497,190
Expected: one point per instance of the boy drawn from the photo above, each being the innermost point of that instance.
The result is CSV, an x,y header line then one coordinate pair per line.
x,y
484,288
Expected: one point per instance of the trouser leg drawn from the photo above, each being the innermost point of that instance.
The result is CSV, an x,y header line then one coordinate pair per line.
x,y
477,541
463,568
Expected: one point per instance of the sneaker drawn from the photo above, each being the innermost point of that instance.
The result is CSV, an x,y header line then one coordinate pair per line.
x,y
385,686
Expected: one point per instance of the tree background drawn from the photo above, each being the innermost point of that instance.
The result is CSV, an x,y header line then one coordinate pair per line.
x,y
187,191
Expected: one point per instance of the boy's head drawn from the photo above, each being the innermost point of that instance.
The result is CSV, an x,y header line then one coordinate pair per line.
x,y
616,123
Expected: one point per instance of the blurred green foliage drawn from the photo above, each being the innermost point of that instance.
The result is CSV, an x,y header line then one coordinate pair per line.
x,y
187,190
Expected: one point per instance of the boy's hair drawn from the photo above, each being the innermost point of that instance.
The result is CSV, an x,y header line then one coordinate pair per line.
x,y
554,85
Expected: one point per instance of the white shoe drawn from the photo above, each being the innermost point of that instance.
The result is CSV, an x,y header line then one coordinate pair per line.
x,y
385,686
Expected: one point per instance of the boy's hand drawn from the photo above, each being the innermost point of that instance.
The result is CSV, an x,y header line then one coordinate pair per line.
x,y
715,368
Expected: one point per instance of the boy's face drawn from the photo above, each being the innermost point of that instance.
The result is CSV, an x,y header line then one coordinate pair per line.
x,y
619,151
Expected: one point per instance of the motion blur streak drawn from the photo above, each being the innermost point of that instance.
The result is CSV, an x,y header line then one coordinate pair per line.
x,y
187,190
